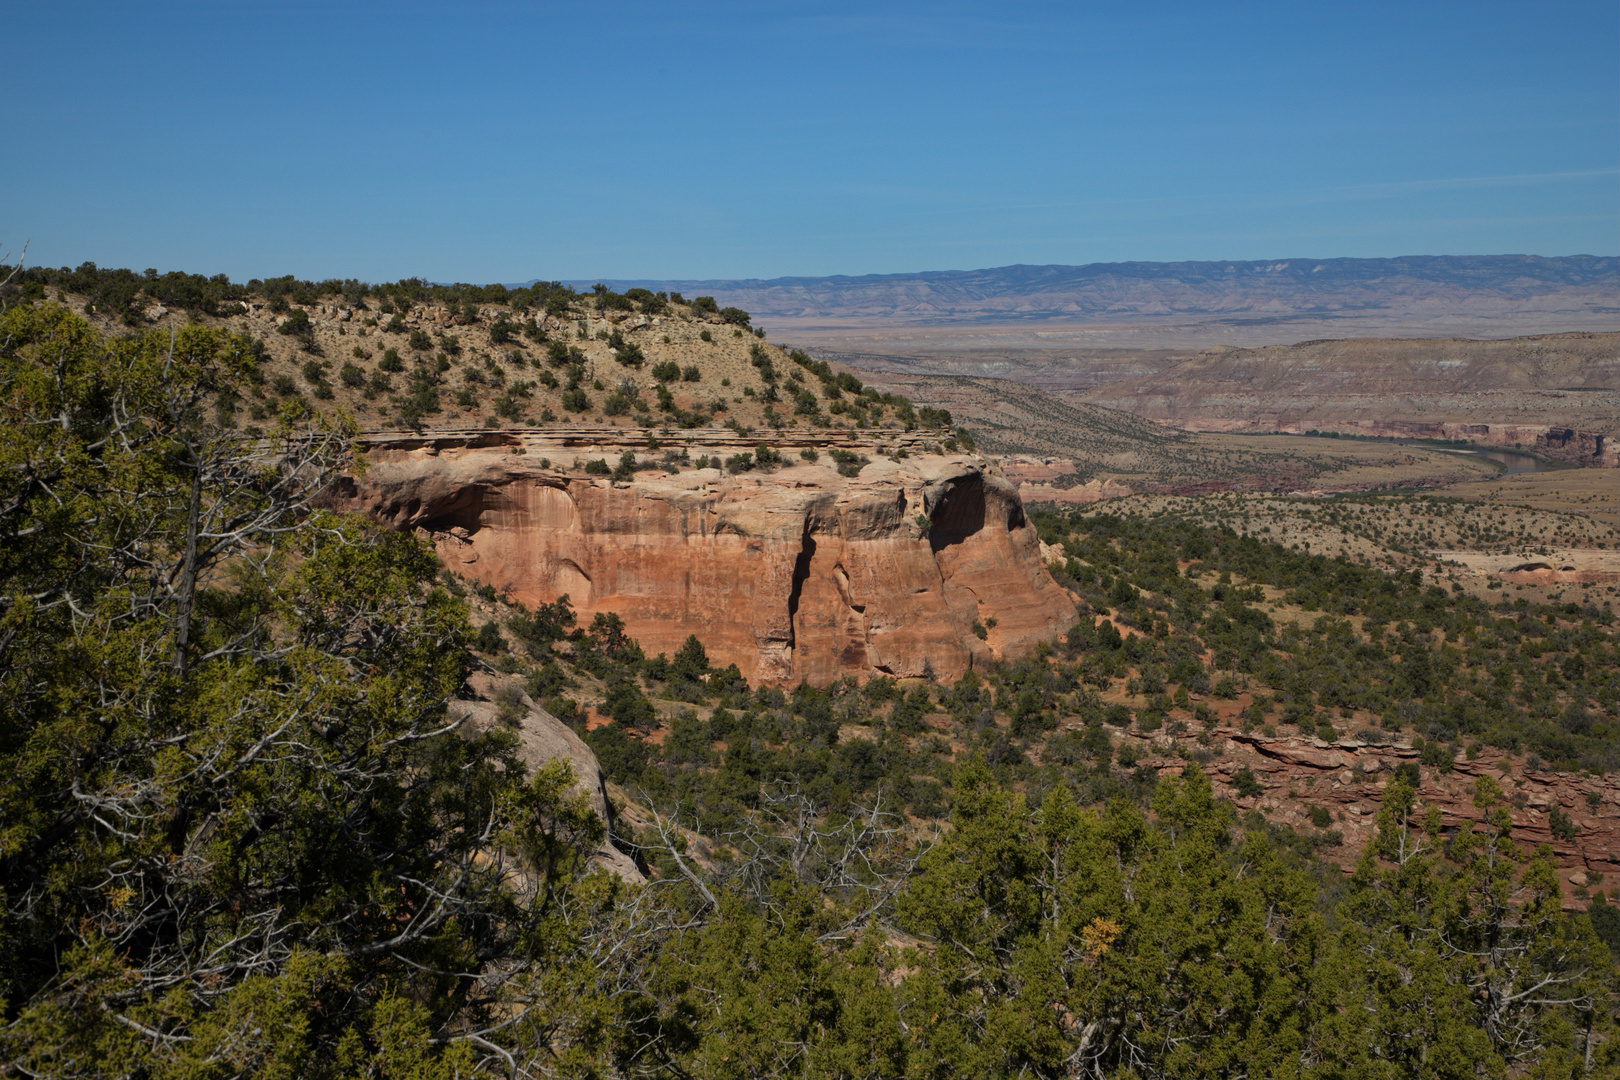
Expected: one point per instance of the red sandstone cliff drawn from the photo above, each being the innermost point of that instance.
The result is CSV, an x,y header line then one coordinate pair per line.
x,y
795,574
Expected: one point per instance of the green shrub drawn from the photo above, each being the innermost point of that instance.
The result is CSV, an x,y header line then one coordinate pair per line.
x,y
626,703
420,341
667,371
1319,816
391,360
690,373
1437,755
489,639
1562,825
539,630
1605,918
599,467
623,758
849,462
1246,784
352,376
296,323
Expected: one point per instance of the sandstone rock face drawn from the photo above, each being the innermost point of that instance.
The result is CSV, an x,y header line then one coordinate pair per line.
x,y
1348,779
797,574
542,738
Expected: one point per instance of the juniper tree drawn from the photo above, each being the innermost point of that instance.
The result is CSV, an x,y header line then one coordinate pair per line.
x,y
241,833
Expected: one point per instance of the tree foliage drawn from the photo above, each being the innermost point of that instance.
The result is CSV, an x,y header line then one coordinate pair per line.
x,y
240,832
243,833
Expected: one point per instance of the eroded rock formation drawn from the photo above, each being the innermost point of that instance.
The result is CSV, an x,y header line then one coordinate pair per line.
x,y
800,573
1348,778
543,738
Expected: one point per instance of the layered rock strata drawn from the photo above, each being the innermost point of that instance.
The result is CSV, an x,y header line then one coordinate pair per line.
x,y
1348,778
795,574
1591,449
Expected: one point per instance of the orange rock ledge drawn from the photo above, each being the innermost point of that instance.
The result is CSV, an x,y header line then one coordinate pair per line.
x,y
794,574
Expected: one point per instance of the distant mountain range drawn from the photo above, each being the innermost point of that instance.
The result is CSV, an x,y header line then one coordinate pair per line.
x,y
1582,286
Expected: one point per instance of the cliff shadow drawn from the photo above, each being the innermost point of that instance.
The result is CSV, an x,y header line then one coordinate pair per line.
x,y
959,514
801,572
465,508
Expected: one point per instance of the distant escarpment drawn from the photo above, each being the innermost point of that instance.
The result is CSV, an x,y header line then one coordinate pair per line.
x,y
1474,294
926,563
1556,394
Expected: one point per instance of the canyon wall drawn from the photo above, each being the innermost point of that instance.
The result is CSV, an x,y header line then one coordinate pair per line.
x,y
794,574
1590,449
1555,394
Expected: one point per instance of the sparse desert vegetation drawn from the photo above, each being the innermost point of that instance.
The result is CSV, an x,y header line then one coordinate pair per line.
x,y
413,355
1469,546
285,789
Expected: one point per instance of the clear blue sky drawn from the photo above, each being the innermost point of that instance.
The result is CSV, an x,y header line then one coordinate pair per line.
x,y
499,142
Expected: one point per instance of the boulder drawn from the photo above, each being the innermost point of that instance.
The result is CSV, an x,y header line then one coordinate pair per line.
x,y
542,738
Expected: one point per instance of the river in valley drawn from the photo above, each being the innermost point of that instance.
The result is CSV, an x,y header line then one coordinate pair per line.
x,y
1511,461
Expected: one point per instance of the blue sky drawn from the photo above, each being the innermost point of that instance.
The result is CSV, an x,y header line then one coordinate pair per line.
x,y
500,142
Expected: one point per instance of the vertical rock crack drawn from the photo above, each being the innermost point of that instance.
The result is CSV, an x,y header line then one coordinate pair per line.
x,y
801,571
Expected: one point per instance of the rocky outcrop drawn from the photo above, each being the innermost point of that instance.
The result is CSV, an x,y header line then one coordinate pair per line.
x,y
1580,447
1348,778
1541,573
796,574
543,738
